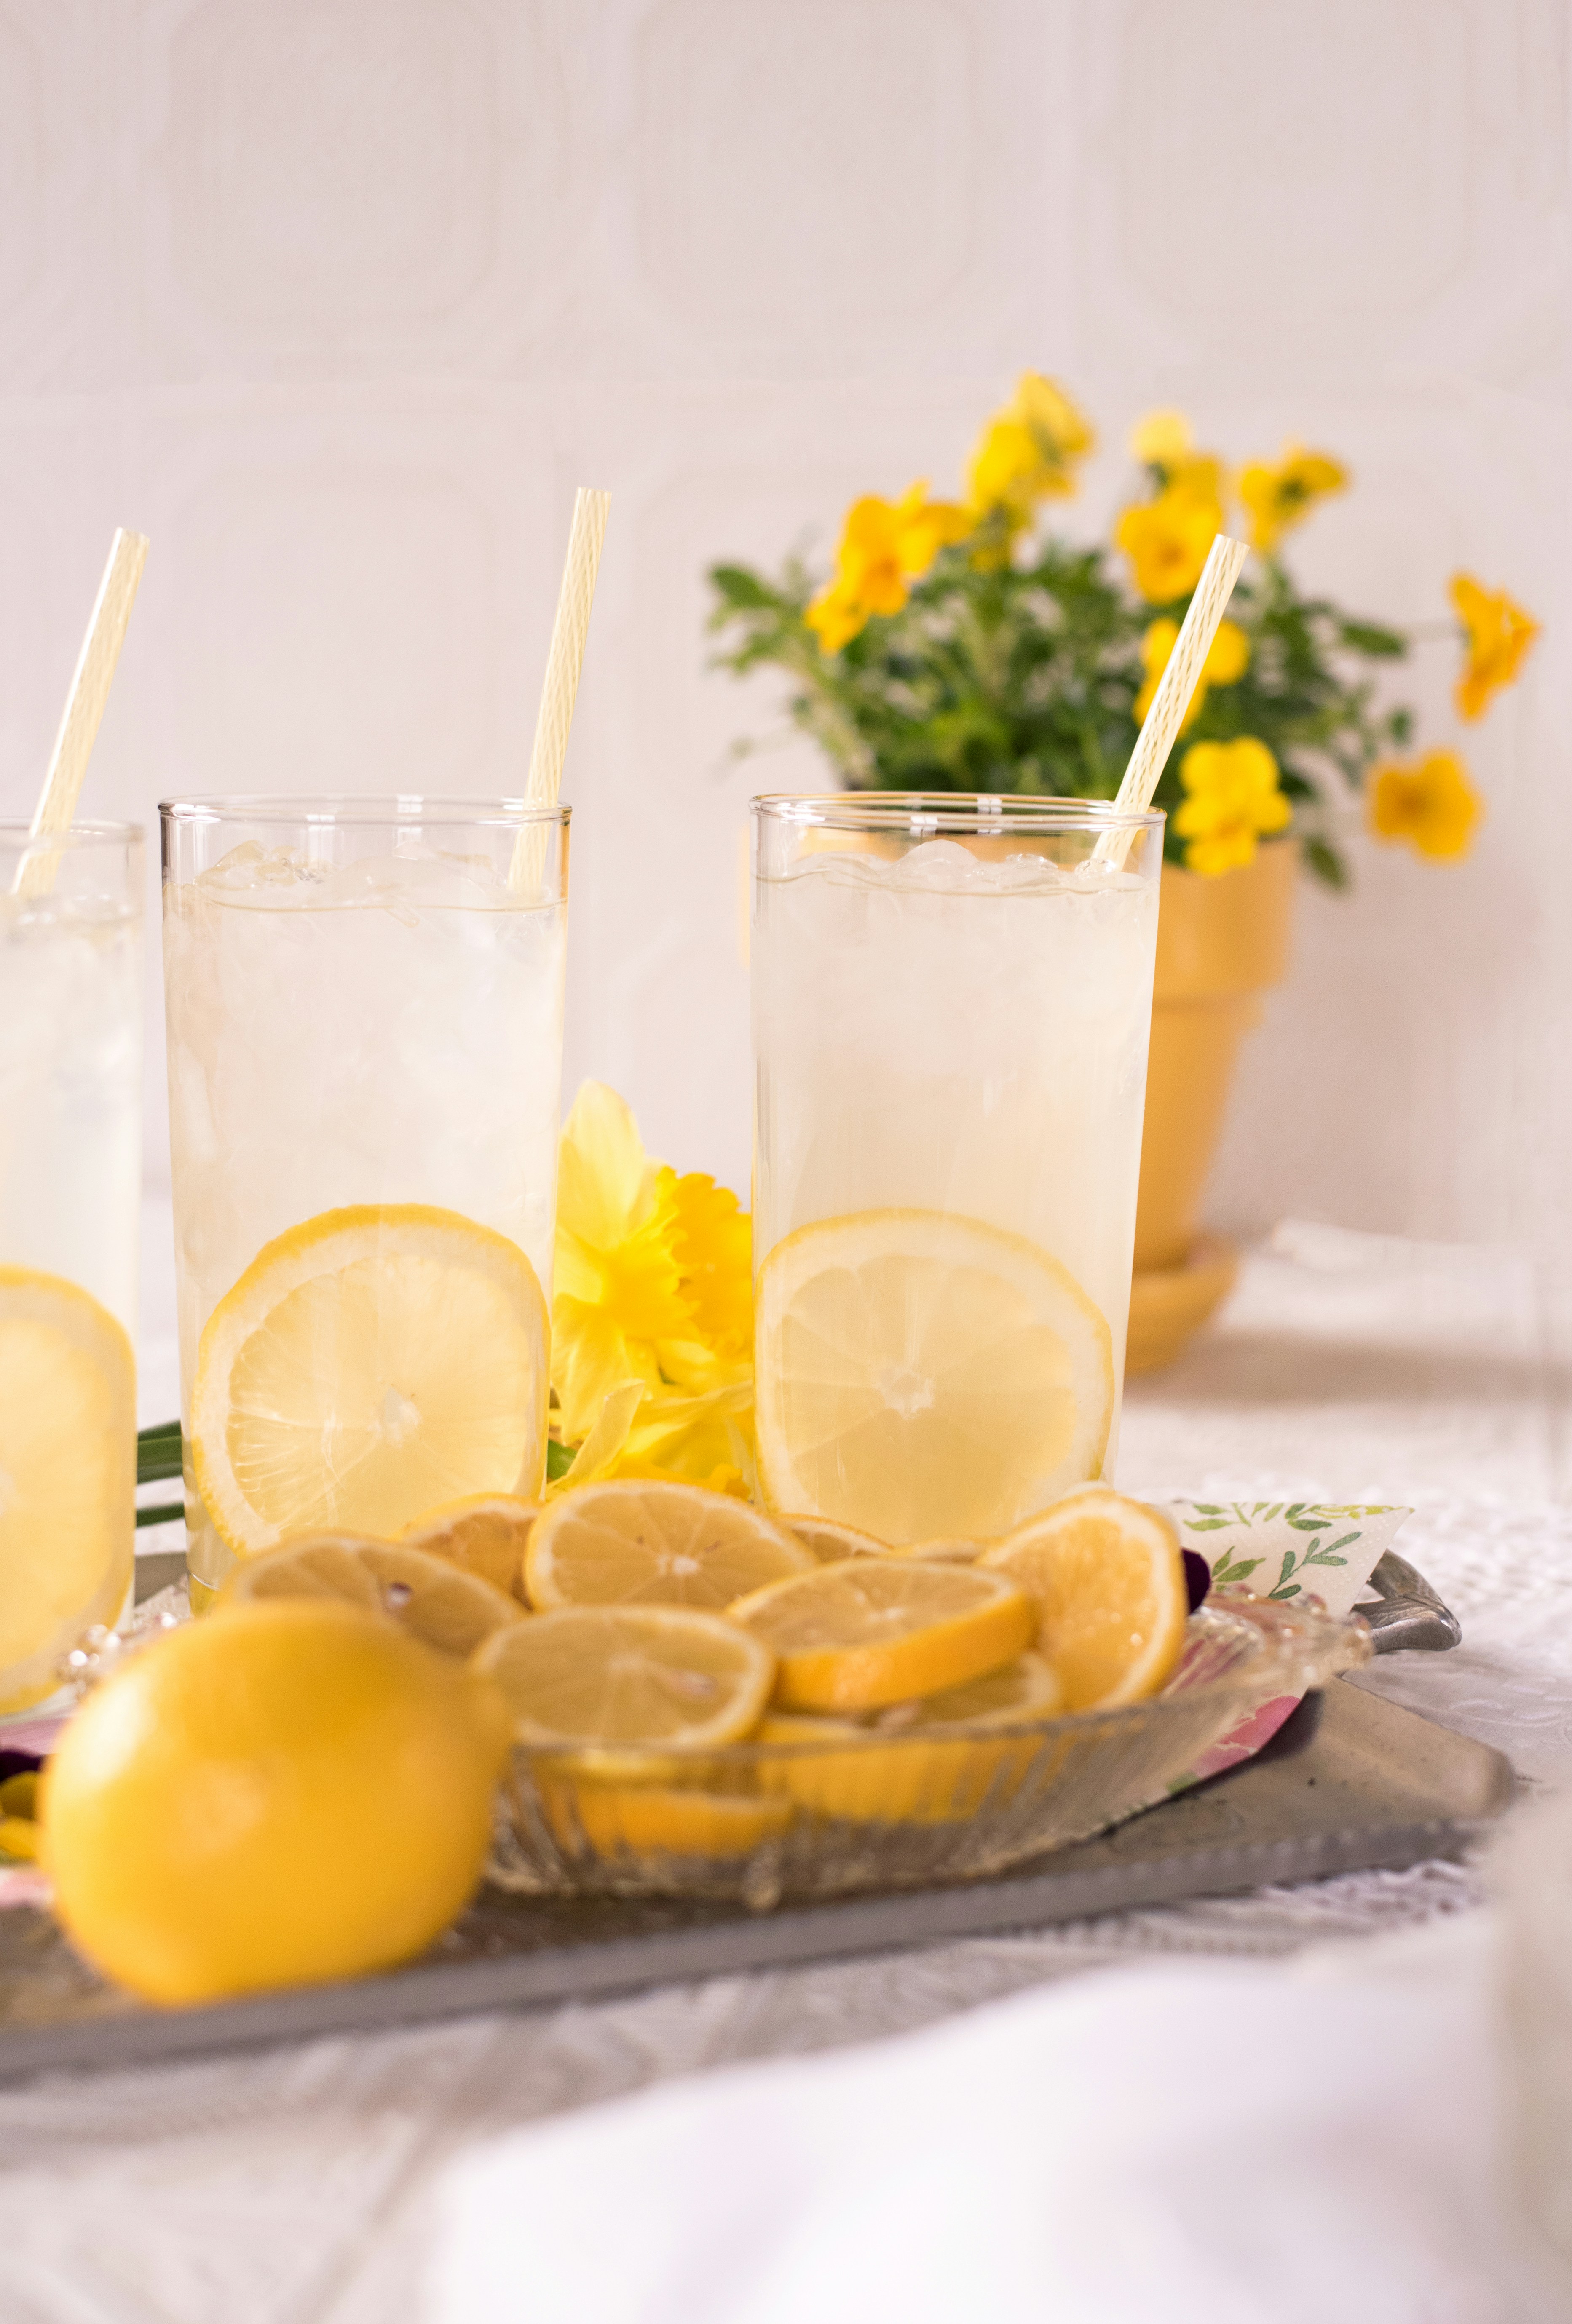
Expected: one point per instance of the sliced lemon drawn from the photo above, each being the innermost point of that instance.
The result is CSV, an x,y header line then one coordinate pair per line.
x,y
924,1762
1027,1688
483,1533
1108,1581
658,1819
876,1630
828,1542
68,1476
645,1542
922,1375
952,1550
452,1610
368,1365
638,1676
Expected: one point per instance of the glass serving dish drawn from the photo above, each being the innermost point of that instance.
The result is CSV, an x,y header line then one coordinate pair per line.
x,y
758,1823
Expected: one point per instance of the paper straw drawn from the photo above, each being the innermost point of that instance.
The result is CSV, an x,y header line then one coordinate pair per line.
x,y
563,665
1174,688
78,728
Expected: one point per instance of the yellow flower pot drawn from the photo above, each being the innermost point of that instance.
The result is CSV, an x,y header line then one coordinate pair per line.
x,y
1220,943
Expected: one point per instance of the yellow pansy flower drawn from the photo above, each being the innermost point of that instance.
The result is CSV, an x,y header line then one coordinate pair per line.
x,y
1432,805
1278,496
1227,660
1026,451
884,546
1231,800
834,617
1500,633
1166,540
1162,439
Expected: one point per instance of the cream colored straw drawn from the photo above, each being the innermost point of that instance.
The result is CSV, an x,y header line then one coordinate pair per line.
x,y
1174,688
78,730
563,665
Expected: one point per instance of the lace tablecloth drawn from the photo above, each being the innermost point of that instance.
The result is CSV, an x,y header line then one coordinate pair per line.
x,y
289,2187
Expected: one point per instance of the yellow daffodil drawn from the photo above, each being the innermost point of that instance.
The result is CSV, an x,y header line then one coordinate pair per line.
x,y
1026,451
1432,805
618,1299
699,1440
714,1250
884,545
652,1325
1227,660
1162,439
1166,539
1232,799
1278,496
1499,632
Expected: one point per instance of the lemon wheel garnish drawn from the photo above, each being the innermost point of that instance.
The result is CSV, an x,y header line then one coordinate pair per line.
x,y
1107,1579
886,1630
634,1675
452,1611
370,1364
922,1375
483,1533
633,1542
67,1475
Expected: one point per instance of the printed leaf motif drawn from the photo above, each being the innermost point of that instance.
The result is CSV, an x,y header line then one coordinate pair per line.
x,y
1229,1568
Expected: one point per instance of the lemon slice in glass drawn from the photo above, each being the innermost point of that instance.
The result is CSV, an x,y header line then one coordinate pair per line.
x,y
68,1476
369,1364
924,1376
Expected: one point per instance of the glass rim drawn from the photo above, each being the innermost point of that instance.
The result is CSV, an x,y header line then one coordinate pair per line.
x,y
931,811
341,808
89,834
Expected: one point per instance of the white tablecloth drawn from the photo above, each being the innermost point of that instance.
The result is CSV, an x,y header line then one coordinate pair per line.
x,y
296,2184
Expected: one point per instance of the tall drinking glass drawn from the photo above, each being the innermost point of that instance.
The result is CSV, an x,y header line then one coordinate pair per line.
x,y
71,1183
365,1002
951,1000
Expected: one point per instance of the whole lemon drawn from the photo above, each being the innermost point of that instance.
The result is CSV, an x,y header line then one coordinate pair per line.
x,y
295,1792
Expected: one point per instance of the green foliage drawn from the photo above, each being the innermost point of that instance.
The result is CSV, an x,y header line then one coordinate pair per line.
x,y
1022,676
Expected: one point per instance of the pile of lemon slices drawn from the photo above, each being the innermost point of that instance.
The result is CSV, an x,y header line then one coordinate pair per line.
x,y
936,1381
635,1626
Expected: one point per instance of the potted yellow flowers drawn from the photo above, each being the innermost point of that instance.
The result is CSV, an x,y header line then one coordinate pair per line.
x,y
962,645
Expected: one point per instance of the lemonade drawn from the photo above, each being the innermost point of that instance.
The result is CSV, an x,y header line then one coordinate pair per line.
x,y
364,1009
70,1171
951,1004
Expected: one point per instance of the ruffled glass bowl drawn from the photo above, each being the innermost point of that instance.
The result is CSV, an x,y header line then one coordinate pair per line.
x,y
760,1822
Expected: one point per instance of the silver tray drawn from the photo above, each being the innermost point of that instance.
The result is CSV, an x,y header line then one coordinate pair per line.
x,y
1350,1782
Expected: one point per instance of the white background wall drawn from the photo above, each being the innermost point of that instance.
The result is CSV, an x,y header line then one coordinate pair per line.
x,y
339,298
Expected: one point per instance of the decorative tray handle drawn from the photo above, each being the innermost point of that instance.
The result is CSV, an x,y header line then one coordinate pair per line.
x,y
1405,1611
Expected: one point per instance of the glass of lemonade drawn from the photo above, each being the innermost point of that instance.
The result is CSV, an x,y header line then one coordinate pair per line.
x,y
70,1185
951,999
365,1002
